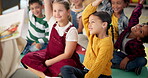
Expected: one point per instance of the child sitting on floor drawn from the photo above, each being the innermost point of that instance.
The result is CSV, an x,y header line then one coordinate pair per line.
x,y
97,60
130,53
61,45
38,31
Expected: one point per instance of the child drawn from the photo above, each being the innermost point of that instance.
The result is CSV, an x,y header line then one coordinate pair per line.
x,y
116,9
119,21
97,60
76,13
61,46
38,32
130,53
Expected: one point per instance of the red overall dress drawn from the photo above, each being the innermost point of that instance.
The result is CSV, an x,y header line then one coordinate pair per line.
x,y
56,46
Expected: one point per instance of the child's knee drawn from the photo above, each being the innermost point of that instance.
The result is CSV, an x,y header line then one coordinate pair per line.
x,y
66,68
142,61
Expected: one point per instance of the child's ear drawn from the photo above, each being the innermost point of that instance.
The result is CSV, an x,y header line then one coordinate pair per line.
x,y
42,6
69,12
104,25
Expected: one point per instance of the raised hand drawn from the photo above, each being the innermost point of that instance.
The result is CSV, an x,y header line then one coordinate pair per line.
x,y
96,3
141,1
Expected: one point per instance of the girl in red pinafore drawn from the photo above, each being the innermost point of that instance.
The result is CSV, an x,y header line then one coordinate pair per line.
x,y
61,46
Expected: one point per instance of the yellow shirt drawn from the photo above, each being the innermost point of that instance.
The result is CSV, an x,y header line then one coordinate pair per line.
x,y
115,27
87,2
99,51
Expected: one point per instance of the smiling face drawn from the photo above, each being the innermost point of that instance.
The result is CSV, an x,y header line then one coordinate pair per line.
x,y
118,5
60,13
140,31
77,2
95,24
36,9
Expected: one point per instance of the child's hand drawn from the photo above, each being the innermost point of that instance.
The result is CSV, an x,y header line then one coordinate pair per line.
x,y
38,45
96,3
142,1
124,63
33,43
47,63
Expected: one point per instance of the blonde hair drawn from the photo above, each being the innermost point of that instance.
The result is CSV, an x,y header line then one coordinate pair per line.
x,y
64,2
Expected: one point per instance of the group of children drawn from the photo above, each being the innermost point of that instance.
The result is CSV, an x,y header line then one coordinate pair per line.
x,y
113,40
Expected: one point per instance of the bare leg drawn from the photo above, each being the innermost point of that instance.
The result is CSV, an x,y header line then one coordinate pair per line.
x,y
38,73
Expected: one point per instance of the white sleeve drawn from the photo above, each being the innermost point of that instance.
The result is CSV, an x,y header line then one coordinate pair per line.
x,y
30,14
72,34
51,22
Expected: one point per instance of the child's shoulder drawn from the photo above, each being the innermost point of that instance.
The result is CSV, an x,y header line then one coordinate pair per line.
x,y
77,10
107,41
135,42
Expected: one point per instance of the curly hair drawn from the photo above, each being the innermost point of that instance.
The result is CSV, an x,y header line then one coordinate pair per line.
x,y
145,39
126,1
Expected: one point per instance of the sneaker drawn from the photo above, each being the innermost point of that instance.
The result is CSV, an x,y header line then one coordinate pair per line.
x,y
138,70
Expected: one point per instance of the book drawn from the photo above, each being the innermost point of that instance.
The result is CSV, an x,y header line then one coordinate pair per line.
x,y
11,25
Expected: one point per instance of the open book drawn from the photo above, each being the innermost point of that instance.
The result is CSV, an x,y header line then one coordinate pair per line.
x,y
11,25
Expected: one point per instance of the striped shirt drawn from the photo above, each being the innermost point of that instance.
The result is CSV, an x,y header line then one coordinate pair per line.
x,y
38,30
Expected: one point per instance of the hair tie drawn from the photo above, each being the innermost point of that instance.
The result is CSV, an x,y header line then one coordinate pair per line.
x,y
110,24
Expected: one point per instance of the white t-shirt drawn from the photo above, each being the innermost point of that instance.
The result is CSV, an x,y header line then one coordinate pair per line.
x,y
72,34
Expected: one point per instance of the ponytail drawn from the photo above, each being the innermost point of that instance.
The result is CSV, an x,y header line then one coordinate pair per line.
x,y
112,31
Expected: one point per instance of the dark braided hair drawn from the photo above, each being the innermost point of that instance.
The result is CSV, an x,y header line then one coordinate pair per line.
x,y
112,31
105,17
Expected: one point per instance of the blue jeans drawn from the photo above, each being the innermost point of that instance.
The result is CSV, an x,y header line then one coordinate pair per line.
x,y
81,57
131,65
31,48
72,72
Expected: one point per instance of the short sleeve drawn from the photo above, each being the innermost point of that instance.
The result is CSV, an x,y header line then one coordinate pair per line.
x,y
72,34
